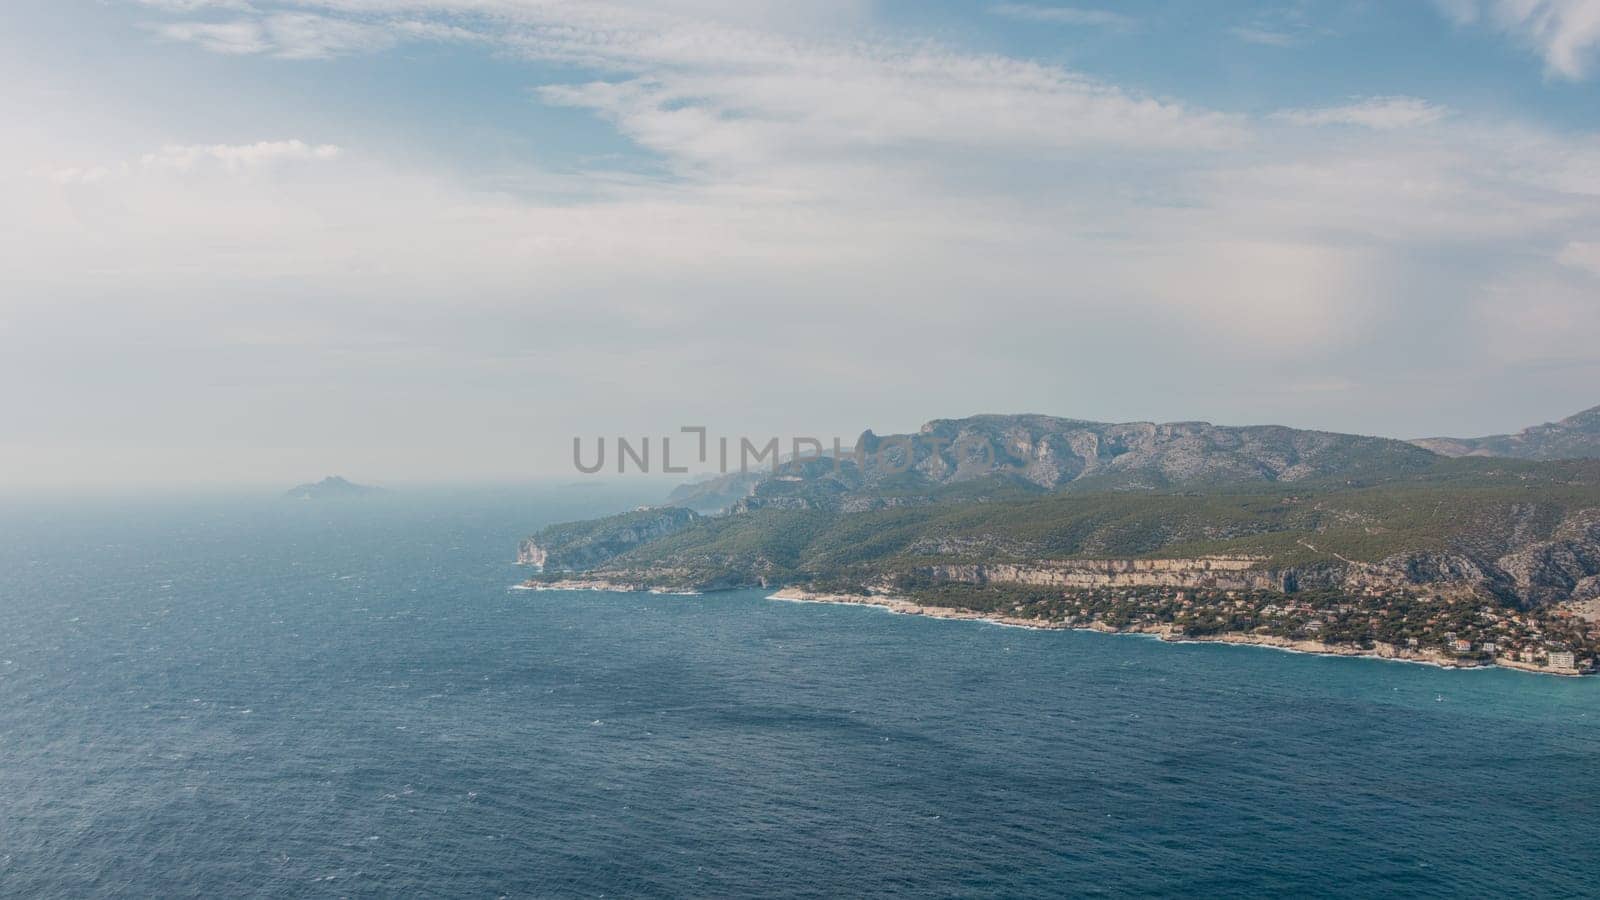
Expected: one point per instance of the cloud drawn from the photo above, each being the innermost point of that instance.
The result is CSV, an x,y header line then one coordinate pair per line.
x,y
1379,113
189,6
703,91
1278,25
1064,15
293,35
1564,33
234,38
181,158
1026,221
1266,37
868,148
235,157
79,174
1581,255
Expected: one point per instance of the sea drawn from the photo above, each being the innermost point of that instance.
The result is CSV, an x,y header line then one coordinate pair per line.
x,y
230,694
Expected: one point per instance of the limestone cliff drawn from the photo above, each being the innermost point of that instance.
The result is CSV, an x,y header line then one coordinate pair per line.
x,y
577,546
529,553
1220,572
1558,571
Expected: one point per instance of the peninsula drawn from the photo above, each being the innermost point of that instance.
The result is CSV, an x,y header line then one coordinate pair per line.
x,y
1305,540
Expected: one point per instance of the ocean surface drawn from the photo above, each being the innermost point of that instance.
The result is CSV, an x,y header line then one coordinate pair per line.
x,y
244,696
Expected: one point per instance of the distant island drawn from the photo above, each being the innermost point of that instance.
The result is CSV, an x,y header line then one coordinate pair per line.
x,y
330,488
1307,540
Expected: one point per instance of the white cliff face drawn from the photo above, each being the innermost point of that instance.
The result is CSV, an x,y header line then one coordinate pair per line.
x,y
1560,570
1219,572
529,553
1565,567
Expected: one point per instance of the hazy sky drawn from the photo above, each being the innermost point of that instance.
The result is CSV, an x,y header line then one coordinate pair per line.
x,y
263,240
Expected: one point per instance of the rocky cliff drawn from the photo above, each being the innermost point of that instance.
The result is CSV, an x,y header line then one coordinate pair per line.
x,y
1565,567
577,546
1548,572
1219,572
530,553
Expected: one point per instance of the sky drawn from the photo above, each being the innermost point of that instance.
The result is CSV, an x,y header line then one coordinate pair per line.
x,y
260,241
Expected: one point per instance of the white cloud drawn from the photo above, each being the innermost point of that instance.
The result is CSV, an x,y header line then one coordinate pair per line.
x,y
1565,33
80,174
730,88
182,158
1064,15
1285,24
304,36
237,38
1581,255
292,35
234,157
1380,113
1266,37
852,150
841,191
189,6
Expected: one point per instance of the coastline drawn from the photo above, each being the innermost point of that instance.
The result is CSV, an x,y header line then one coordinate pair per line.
x,y
601,584
1164,632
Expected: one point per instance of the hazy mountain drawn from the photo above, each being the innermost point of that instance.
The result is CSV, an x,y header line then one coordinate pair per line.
x,y
1049,453
716,494
1575,437
329,488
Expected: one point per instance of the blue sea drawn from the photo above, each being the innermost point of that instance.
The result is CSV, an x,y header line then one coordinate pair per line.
x,y
244,696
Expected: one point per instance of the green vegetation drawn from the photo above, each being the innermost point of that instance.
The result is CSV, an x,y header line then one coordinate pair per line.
x,y
1460,505
1455,558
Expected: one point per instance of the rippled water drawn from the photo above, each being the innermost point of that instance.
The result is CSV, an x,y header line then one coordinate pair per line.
x,y
249,696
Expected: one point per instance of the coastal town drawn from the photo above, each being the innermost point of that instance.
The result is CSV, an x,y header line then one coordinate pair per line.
x,y
1462,630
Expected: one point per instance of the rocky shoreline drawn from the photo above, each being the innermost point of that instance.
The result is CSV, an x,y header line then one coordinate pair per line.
x,y
605,584
904,606
1165,632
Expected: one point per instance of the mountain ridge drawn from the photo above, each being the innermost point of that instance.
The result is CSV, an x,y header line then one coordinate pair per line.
x,y
1018,497
1575,437
1052,453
